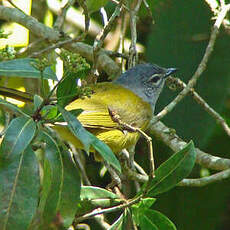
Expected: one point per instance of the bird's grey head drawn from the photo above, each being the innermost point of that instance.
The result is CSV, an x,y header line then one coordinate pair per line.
x,y
146,81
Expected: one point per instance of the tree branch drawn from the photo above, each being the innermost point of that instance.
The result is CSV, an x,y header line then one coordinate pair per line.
x,y
53,36
201,67
174,142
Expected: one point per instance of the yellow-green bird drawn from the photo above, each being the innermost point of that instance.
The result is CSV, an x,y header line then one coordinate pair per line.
x,y
132,98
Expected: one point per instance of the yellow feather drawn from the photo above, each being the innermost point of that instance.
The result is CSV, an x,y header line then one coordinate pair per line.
x,y
97,119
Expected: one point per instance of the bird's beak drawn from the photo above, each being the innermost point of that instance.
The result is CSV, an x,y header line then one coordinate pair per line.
x,y
170,71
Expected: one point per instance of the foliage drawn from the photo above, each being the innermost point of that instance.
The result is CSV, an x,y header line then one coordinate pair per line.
x,y
60,181
44,182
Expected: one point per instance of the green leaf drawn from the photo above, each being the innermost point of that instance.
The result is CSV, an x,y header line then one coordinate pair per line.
x,y
52,179
37,101
154,220
121,222
138,208
67,90
18,136
12,107
93,5
171,172
88,139
92,192
75,112
105,152
117,225
70,193
49,112
23,67
19,191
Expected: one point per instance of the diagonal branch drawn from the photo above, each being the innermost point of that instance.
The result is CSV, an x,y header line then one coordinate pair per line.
x,y
201,67
53,36
174,142
219,119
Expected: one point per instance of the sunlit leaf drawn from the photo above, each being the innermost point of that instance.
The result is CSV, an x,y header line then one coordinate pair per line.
x,y
12,107
23,67
93,192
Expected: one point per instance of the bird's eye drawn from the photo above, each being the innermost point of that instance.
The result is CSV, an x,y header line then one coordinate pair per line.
x,y
154,79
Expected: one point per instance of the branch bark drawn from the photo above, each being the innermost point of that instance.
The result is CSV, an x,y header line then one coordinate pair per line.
x,y
53,36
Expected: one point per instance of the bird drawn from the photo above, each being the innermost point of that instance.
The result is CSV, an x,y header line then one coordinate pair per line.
x,y
130,99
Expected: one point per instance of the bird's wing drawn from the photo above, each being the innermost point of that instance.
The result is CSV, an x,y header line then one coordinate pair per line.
x,y
95,111
109,98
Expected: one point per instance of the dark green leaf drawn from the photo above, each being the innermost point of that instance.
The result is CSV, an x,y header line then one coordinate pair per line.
x,y
88,139
171,172
23,67
105,152
93,5
18,136
12,107
121,222
154,220
70,193
19,191
52,180
67,90
92,192
117,225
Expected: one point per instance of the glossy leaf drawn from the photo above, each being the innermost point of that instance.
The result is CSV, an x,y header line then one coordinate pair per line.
x,y
12,107
19,191
154,220
18,136
92,192
23,67
171,172
70,193
89,139
52,179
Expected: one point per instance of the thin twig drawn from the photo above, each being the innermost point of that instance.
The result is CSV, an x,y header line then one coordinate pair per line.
x,y
86,13
107,210
79,163
61,18
51,35
219,119
116,118
14,5
206,180
201,67
102,35
57,45
133,55
185,182
171,139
